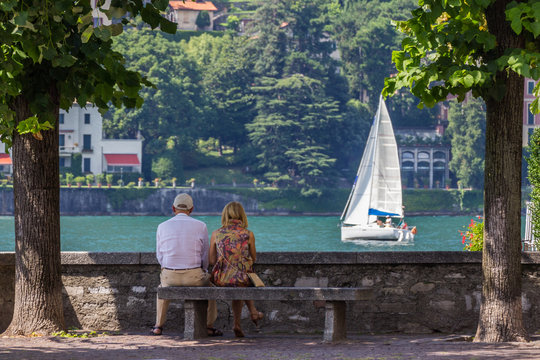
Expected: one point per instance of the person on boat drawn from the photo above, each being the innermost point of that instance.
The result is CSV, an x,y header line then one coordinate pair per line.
x,y
402,224
232,252
388,221
380,223
182,251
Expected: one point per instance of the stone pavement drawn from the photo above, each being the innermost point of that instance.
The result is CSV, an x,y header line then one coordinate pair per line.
x,y
265,347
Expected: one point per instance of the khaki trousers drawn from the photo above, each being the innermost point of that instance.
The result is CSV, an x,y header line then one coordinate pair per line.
x,y
191,277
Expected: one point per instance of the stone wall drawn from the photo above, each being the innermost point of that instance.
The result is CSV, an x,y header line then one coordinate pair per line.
x,y
95,201
414,292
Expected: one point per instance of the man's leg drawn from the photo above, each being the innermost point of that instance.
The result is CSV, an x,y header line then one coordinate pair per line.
x,y
167,278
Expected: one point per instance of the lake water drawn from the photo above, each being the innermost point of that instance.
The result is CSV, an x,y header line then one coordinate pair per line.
x,y
272,233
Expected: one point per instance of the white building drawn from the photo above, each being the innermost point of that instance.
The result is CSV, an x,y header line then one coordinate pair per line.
x,y
185,13
81,131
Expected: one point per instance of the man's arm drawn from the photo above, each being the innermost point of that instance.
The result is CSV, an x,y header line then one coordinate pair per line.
x,y
205,248
159,254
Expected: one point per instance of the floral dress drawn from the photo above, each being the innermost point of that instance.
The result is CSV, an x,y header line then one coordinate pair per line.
x,y
234,261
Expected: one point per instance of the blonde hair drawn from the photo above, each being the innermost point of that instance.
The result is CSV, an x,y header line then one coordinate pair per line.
x,y
234,211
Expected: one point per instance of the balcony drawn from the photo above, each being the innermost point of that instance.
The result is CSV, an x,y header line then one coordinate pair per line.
x,y
69,149
87,149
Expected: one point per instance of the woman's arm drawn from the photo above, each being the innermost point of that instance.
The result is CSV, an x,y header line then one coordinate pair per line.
x,y
212,254
252,250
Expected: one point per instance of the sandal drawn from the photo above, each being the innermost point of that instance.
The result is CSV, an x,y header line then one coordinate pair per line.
x,y
238,333
214,332
153,331
256,317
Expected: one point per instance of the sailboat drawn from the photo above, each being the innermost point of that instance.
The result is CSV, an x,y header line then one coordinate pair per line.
x,y
376,192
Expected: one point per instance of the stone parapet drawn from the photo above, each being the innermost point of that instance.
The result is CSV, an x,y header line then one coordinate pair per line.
x,y
413,292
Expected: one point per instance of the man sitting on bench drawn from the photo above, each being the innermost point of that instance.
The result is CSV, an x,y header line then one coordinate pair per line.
x,y
182,251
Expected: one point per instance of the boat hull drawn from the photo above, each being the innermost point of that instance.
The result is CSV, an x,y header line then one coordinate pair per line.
x,y
359,232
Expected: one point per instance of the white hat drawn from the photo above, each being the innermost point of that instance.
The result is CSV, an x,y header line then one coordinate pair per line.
x,y
183,202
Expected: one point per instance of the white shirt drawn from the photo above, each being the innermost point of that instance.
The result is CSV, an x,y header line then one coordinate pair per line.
x,y
182,243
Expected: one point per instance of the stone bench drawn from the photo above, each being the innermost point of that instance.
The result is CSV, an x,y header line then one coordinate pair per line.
x,y
195,303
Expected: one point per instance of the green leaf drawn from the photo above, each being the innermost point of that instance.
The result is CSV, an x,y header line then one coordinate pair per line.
x,y
8,6
47,52
535,28
64,60
150,16
468,81
32,50
87,33
102,33
21,18
168,26
116,29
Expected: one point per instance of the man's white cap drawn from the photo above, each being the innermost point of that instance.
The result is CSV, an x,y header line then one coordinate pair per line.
x,y
183,202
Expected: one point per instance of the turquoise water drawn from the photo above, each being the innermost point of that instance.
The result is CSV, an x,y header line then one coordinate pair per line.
x,y
272,233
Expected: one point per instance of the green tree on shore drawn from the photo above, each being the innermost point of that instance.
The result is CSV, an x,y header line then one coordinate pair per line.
x,y
173,112
486,47
467,129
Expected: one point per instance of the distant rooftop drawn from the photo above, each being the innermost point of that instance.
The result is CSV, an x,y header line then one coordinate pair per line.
x,y
193,5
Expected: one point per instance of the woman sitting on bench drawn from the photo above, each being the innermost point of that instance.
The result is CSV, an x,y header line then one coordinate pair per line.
x,y
232,252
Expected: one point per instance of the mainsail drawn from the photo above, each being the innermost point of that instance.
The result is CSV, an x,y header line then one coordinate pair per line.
x,y
377,187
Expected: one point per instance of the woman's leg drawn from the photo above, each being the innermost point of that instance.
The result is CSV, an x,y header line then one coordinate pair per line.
x,y
237,312
254,313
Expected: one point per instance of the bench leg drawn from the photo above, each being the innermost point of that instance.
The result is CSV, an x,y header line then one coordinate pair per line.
x,y
195,319
334,324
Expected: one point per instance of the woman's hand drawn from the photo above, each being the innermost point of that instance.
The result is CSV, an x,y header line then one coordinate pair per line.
x,y
212,254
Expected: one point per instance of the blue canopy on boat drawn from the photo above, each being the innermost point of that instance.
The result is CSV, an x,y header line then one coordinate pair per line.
x,y
381,213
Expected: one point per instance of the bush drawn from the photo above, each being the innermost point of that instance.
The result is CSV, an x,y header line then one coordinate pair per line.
x,y
130,184
69,178
79,179
109,178
89,179
473,238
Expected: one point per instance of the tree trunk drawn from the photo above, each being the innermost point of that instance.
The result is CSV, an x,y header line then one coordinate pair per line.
x,y
38,285
501,317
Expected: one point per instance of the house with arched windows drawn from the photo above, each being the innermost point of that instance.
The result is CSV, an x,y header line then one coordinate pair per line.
x,y
424,166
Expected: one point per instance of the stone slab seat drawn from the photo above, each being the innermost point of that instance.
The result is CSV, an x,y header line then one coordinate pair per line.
x,y
195,303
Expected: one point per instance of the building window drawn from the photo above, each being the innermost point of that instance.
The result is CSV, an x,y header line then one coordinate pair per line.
x,y
87,118
62,140
62,162
61,119
530,118
120,169
87,142
86,165
530,87
408,155
423,155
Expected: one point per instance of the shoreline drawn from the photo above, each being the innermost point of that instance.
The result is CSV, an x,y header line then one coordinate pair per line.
x,y
269,213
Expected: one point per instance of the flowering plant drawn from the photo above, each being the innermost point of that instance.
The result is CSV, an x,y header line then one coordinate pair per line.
x,y
473,238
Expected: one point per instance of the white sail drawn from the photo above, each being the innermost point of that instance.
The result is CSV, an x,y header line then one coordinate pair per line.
x,y
377,187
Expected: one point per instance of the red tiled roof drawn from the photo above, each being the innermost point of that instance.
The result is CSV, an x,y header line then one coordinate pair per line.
x,y
122,159
5,159
193,5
